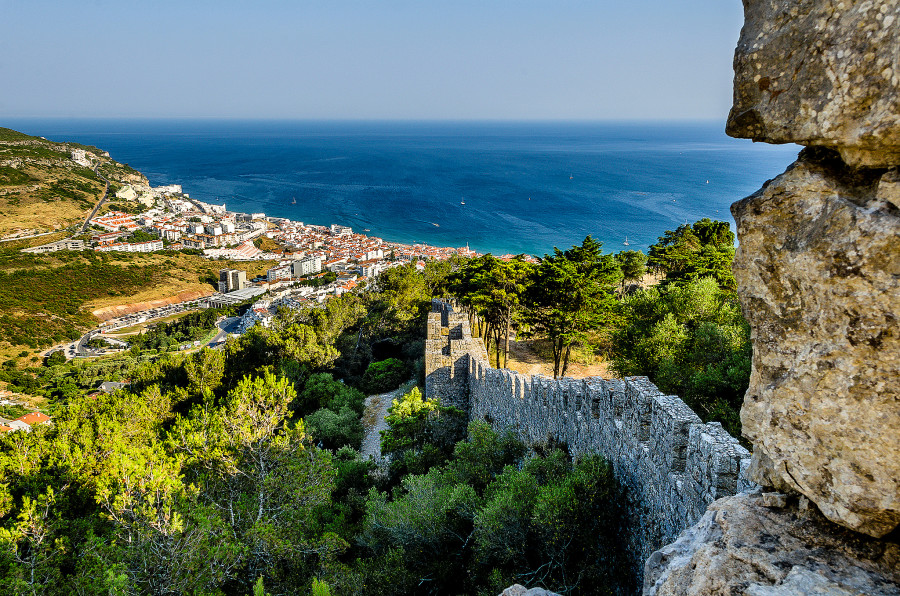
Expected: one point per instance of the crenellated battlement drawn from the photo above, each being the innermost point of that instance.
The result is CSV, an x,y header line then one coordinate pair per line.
x,y
671,464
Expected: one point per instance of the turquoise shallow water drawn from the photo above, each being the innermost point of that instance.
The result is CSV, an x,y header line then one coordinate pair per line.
x,y
526,187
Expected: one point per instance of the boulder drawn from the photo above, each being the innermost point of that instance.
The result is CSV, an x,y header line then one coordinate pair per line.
x,y
820,72
520,590
818,271
740,546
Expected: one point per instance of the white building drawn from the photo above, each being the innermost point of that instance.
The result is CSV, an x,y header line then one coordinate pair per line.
x,y
80,156
170,234
150,246
280,272
307,265
171,189
259,314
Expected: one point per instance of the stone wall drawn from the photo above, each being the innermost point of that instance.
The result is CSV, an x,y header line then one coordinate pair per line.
x,y
448,348
670,463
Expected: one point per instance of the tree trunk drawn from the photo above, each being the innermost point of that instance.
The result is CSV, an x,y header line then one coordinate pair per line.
x,y
506,346
557,356
566,360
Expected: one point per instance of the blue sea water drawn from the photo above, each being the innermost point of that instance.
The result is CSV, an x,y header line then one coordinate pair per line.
x,y
527,187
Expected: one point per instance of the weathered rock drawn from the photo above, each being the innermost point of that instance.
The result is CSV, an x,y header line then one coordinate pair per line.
x,y
818,271
519,590
742,547
820,72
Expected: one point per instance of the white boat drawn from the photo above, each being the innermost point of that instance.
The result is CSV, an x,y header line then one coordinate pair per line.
x,y
626,241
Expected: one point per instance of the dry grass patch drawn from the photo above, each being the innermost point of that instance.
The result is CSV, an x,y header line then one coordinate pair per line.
x,y
534,357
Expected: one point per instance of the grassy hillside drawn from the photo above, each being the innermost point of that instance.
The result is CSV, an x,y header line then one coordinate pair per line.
x,y
42,189
48,299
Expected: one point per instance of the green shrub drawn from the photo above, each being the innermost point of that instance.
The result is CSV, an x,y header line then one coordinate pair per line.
x,y
335,429
323,391
384,376
57,357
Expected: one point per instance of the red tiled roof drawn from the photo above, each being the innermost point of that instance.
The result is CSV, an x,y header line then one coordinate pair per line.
x,y
33,418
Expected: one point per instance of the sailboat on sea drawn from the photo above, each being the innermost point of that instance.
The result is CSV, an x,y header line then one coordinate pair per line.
x,y
294,201
626,241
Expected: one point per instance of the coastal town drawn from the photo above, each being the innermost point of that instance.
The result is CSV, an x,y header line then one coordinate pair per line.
x,y
310,263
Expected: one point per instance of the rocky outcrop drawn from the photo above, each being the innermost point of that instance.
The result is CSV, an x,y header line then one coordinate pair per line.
x,y
743,545
520,590
818,269
821,72
818,272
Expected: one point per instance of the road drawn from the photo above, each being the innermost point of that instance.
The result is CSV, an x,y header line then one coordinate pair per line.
x,y
80,348
226,326
87,222
29,236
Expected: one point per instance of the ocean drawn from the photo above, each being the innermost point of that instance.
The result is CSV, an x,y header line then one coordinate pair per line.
x,y
516,187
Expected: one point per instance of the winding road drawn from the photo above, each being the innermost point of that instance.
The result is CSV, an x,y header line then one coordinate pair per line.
x,y
87,222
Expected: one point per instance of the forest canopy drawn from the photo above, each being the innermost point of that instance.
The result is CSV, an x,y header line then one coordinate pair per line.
x,y
239,470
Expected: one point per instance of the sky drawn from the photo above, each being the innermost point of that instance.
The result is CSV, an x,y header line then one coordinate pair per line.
x,y
369,59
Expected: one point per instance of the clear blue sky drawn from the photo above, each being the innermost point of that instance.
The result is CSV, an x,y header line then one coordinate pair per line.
x,y
368,59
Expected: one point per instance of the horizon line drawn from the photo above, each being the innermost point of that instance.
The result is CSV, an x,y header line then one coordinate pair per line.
x,y
371,120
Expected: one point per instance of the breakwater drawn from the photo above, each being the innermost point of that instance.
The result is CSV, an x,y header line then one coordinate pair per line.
x,y
670,463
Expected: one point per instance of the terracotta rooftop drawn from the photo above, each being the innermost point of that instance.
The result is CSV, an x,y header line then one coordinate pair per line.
x,y
33,418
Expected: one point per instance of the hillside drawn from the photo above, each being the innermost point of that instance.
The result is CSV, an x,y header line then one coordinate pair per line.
x,y
43,189
46,299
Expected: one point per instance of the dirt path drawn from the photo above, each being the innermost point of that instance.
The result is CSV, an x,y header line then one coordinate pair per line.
x,y
523,359
373,421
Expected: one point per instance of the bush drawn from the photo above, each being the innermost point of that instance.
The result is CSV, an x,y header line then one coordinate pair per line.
x,y
421,434
54,358
335,429
323,391
384,376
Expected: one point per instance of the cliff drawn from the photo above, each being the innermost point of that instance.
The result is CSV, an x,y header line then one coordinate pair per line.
x,y
818,272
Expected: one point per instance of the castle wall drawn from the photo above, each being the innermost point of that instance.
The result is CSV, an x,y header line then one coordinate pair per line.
x,y
671,464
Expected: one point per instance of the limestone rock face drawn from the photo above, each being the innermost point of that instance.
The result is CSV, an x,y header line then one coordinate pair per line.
x,y
741,547
818,269
520,590
820,72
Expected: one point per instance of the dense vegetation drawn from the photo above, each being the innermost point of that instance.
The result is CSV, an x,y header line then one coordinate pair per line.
x,y
238,470
44,305
686,333
43,297
191,327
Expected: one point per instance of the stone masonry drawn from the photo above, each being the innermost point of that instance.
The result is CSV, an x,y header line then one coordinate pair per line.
x,y
670,463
